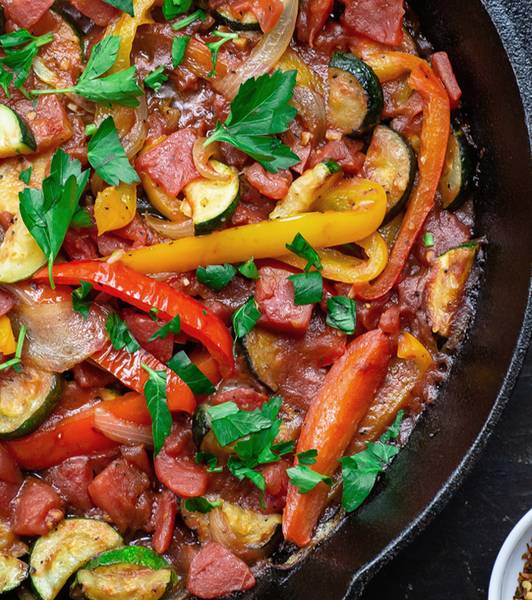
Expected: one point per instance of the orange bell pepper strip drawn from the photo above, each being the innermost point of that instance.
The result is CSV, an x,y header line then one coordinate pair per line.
x,y
410,348
75,435
115,207
434,137
8,344
331,422
146,293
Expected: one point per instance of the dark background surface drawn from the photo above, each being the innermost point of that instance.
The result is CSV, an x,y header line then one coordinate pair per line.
x,y
453,557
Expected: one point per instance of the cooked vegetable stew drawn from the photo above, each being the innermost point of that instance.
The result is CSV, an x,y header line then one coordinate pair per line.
x,y
235,255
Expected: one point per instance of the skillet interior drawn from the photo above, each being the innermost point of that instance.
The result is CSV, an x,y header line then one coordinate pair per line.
x,y
453,431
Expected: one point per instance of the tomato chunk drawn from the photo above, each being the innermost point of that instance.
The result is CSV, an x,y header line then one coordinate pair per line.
x,y
48,121
143,327
271,185
9,471
98,11
215,571
380,20
170,163
26,13
165,514
444,70
347,153
72,478
267,12
38,508
275,296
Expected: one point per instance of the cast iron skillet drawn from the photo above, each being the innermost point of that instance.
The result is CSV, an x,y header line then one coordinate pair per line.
x,y
452,433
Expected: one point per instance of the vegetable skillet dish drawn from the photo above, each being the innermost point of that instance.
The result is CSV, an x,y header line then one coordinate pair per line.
x,y
236,244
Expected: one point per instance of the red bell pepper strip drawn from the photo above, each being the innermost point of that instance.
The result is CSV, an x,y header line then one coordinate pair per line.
x,y
332,420
75,435
146,293
127,368
434,138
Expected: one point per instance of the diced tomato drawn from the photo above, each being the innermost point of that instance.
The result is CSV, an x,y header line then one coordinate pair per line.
x,y
276,478
252,208
267,12
98,11
271,185
6,302
313,15
444,70
170,163
9,471
122,491
380,20
165,515
390,321
80,245
8,492
26,13
346,152
215,571
143,327
48,121
38,508
245,398
137,456
72,478
275,298
87,376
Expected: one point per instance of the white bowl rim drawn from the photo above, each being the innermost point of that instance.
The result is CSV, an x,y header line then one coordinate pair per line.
x,y
507,550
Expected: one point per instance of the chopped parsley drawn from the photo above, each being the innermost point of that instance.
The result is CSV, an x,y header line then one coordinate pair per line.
x,y
216,277
80,298
179,48
245,318
305,479
174,8
172,326
341,313
201,504
198,15
119,334
156,79
214,47
123,5
249,269
155,394
308,287
198,383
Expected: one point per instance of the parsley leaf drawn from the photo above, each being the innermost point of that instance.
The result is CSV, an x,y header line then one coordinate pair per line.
x,y
80,298
428,239
305,479
179,48
198,15
16,360
47,212
173,326
308,287
119,334
245,318
123,5
25,176
260,111
216,277
341,313
156,79
249,269
210,460
214,47
230,424
174,8
360,471
241,471
201,504
190,374
300,247
108,157
308,457
161,419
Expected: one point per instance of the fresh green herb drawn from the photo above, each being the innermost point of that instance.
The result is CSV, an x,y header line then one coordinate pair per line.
x,y
341,313
428,239
156,79
172,326
25,176
214,47
230,424
123,5
16,360
208,459
308,457
308,287
174,8
198,15
155,394
333,166
360,471
300,247
216,277
80,298
179,47
190,374
249,269
91,129
81,218
153,313
108,157
305,479
47,212
119,334
259,112
241,471
245,318
201,505
120,87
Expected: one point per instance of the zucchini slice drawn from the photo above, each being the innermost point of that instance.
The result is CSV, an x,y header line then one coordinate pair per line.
x,y
247,21
15,135
457,171
26,399
355,95
60,553
12,572
391,162
446,285
260,351
213,201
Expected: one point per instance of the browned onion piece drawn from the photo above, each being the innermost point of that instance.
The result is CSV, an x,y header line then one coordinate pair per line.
x,y
173,230
311,108
121,431
202,156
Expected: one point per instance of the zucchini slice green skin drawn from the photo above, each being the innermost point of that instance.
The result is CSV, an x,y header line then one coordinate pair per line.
x,y
59,554
355,95
12,573
201,424
15,135
259,350
26,399
458,168
226,16
131,555
391,162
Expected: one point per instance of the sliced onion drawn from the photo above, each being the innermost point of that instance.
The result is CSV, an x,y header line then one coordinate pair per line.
x,y
121,431
133,141
58,338
202,159
171,229
311,108
265,55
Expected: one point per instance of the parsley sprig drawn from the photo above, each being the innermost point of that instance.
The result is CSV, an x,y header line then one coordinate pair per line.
x,y
155,394
17,359
119,334
123,5
308,286
214,47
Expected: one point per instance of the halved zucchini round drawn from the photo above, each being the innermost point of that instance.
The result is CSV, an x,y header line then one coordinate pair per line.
x,y
260,351
59,554
457,171
245,22
355,95
15,135
12,572
391,162
26,399
213,201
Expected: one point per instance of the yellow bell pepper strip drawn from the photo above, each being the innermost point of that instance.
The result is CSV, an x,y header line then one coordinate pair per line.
x,y
410,348
115,207
8,344
348,269
348,194
267,239
167,205
434,136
